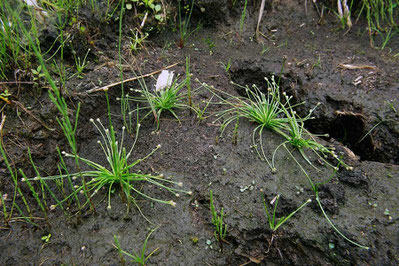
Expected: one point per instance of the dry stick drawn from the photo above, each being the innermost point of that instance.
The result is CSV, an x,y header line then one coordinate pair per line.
x,y
16,82
3,120
128,80
33,116
262,6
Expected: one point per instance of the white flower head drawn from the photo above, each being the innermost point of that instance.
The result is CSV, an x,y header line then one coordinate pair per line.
x,y
164,80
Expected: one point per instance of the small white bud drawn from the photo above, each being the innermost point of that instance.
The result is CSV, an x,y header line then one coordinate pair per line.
x,y
109,207
158,146
52,207
36,178
172,203
91,120
190,193
123,128
177,195
180,184
161,176
23,179
98,120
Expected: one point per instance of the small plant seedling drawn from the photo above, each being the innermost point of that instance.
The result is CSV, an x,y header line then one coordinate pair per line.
x,y
271,217
137,41
80,64
217,220
37,73
137,258
184,24
201,112
227,65
243,14
46,238
4,96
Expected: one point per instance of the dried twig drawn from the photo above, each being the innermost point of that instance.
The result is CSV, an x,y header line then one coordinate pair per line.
x,y
3,120
351,66
33,116
262,6
128,80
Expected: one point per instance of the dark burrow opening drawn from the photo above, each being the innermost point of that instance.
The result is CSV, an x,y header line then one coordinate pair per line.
x,y
349,129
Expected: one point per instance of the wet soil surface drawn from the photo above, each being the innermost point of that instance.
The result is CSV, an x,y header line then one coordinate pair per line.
x,y
360,118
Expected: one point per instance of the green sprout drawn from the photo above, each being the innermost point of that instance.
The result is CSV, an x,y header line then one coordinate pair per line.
x,y
271,218
46,238
137,258
217,220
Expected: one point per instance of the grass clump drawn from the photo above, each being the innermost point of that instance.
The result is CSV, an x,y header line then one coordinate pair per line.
x,y
272,112
262,109
120,170
163,99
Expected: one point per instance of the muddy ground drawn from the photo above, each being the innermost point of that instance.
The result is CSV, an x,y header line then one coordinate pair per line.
x,y
363,203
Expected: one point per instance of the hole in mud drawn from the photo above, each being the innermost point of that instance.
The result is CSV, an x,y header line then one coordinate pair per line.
x,y
350,129
257,75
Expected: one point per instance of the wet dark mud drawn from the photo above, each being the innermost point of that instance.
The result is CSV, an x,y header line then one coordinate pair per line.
x,y
307,58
